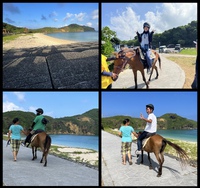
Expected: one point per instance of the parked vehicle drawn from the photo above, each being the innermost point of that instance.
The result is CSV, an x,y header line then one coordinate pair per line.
x,y
177,47
162,49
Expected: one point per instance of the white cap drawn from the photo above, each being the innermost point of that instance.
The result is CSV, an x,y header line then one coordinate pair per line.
x,y
195,42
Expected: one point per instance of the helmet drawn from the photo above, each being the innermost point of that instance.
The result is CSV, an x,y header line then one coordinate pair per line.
x,y
146,24
40,110
150,106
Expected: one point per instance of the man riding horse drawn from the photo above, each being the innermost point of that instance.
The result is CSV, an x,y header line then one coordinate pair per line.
x,y
145,40
150,129
37,126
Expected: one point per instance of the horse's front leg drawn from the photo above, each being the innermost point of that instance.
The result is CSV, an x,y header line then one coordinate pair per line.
x,y
34,152
141,157
135,78
150,165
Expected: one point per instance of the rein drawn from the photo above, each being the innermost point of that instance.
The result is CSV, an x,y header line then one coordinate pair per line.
x,y
125,60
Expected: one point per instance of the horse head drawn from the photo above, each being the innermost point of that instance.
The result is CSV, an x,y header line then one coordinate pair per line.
x,y
121,60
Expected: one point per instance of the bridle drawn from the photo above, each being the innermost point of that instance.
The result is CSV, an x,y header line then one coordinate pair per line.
x,y
125,60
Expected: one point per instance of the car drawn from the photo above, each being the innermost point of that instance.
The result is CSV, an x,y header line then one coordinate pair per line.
x,y
162,49
177,47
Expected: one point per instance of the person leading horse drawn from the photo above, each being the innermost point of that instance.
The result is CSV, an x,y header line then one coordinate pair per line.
x,y
36,127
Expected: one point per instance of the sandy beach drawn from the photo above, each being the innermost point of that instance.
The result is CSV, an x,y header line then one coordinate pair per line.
x,y
34,40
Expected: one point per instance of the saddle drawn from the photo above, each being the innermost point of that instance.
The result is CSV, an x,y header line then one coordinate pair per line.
x,y
35,134
144,141
142,56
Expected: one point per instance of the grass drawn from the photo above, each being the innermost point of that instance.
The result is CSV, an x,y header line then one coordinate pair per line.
x,y
9,38
189,51
188,66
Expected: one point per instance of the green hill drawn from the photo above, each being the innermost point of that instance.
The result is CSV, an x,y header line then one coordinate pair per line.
x,y
166,121
84,124
70,28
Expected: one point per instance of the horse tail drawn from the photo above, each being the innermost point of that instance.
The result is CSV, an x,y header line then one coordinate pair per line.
x,y
180,152
47,143
164,143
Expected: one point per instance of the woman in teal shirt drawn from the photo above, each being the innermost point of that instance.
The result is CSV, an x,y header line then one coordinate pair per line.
x,y
15,130
125,132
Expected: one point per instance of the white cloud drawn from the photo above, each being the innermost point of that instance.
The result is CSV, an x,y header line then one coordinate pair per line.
x,y
9,106
95,14
170,15
89,24
20,96
80,16
68,15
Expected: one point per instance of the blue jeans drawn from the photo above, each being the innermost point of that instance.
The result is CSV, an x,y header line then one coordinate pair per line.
x,y
140,138
147,50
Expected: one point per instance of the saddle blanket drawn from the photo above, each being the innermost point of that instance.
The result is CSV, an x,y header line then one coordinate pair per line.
x,y
32,138
145,141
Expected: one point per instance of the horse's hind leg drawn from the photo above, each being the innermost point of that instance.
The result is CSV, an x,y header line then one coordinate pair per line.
x,y
144,79
160,163
135,78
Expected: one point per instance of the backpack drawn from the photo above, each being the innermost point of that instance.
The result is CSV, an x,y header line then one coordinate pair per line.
x,y
44,121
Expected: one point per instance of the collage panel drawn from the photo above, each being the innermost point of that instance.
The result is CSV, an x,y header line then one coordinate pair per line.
x,y
146,135
51,136
50,46
143,46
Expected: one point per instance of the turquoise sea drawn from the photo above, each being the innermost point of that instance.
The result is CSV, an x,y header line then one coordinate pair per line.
x,y
77,36
185,135
79,141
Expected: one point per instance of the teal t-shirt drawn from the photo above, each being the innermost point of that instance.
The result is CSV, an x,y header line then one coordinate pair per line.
x,y
16,131
38,123
126,133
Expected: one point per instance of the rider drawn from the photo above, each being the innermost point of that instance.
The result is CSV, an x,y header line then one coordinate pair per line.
x,y
145,40
150,129
37,125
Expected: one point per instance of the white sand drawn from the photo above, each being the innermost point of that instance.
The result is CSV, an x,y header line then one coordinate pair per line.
x,y
34,40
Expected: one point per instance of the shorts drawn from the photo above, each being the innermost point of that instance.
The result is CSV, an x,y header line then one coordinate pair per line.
x,y
15,144
126,147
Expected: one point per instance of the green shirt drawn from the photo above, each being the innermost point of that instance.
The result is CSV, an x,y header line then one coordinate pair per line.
x,y
38,123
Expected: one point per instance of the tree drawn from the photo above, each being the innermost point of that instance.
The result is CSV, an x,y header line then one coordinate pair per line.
x,y
106,36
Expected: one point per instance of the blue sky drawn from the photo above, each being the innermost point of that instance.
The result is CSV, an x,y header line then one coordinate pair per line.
x,y
38,15
54,104
127,18
133,103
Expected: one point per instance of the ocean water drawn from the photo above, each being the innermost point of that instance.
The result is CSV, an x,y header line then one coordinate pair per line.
x,y
79,141
77,36
185,135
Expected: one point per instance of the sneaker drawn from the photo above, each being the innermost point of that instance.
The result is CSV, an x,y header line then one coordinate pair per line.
x,y
148,71
138,152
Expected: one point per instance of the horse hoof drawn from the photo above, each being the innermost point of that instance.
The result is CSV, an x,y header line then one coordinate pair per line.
x,y
158,175
150,168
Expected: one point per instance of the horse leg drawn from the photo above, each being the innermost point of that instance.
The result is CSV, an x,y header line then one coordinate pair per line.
x,y
150,165
144,79
135,78
141,157
160,164
33,153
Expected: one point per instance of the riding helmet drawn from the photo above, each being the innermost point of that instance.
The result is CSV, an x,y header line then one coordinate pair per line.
x,y
40,110
150,106
146,24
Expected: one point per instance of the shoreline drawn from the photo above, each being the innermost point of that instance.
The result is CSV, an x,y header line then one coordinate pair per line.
x,y
34,40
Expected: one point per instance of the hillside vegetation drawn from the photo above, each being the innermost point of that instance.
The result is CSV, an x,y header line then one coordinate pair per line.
x,y
70,28
166,121
84,124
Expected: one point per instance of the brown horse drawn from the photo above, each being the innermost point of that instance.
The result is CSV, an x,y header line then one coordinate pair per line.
x,y
157,144
132,57
43,141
